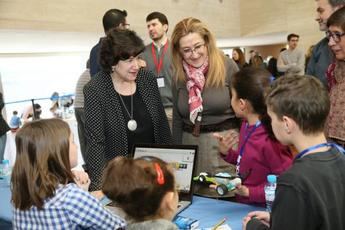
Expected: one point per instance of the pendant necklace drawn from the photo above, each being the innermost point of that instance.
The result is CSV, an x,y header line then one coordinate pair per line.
x,y
132,124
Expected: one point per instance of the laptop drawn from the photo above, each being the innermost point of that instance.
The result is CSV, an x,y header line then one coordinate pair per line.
x,y
182,158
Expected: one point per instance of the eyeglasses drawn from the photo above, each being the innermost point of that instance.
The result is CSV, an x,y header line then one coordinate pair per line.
x,y
335,35
187,52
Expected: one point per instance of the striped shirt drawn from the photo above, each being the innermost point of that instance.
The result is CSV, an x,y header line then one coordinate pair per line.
x,y
70,208
79,95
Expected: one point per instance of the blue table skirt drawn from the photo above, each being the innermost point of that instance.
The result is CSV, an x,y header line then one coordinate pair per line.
x,y
210,211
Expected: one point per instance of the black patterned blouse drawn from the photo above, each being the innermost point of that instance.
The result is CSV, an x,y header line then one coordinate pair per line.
x,y
106,124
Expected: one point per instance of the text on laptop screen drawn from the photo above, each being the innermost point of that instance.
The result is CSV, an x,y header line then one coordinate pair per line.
x,y
182,160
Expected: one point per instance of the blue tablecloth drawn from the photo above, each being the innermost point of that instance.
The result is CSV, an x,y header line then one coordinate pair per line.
x,y
5,203
207,211
210,211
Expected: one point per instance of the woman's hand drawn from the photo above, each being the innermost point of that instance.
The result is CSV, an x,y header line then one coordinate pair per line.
x,y
229,140
264,217
242,190
82,179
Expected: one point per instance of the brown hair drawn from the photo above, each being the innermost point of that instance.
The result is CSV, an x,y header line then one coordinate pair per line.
x,y
302,98
216,68
135,186
241,59
42,162
119,45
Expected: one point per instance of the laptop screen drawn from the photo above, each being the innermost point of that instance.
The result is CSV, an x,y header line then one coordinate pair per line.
x,y
181,157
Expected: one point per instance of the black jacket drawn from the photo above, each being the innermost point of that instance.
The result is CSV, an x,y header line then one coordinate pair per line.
x,y
3,124
105,123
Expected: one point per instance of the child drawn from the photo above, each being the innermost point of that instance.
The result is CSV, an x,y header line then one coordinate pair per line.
x,y
145,189
44,194
15,122
310,195
258,153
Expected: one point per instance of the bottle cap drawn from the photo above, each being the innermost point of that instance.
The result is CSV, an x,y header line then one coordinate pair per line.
x,y
6,161
272,178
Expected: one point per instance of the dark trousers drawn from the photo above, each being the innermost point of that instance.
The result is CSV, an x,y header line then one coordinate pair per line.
x,y
80,117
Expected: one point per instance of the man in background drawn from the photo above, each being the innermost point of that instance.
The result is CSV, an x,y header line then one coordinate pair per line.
x,y
158,58
113,18
291,61
321,56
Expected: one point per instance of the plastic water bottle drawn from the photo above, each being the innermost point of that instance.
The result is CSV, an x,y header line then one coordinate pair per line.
x,y
270,189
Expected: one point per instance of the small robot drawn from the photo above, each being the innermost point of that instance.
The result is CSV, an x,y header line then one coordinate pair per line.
x,y
221,182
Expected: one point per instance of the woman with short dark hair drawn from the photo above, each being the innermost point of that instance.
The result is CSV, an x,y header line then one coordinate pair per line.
x,y
122,104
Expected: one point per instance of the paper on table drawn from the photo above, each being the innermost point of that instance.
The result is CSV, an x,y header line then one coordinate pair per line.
x,y
222,227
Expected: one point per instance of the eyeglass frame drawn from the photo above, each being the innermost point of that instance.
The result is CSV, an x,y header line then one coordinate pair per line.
x,y
189,52
336,36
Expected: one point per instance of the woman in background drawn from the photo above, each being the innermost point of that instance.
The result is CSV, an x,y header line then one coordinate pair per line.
x,y
122,105
144,188
238,57
201,93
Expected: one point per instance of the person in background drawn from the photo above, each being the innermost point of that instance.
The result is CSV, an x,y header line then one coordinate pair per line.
x,y
122,105
158,58
3,129
32,111
292,60
258,62
45,192
238,57
113,18
252,53
145,189
335,126
322,55
201,91
309,194
308,55
258,153
15,121
79,108
272,67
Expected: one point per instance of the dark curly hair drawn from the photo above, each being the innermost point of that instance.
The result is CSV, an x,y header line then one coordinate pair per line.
x,y
119,45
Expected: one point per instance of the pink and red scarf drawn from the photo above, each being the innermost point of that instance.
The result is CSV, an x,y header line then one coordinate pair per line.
x,y
195,86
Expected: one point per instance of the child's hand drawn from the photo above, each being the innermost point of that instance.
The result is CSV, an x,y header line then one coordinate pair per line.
x,y
98,194
264,217
229,140
82,179
242,190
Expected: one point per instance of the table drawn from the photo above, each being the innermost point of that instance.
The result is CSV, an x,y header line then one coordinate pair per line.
x,y
5,205
210,211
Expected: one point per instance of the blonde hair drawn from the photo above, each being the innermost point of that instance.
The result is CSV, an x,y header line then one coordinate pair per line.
x,y
42,162
216,69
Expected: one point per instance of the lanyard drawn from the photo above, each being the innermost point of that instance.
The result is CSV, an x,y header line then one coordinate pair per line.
x,y
160,63
257,124
301,154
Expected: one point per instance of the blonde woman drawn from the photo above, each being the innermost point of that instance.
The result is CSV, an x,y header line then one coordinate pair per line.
x,y
201,92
